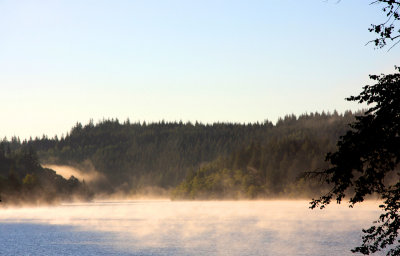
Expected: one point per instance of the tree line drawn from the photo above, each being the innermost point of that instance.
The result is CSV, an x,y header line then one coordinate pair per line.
x,y
267,159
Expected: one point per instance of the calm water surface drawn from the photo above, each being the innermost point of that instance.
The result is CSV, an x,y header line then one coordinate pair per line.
x,y
184,228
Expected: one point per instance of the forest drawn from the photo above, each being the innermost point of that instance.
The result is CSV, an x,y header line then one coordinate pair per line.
x,y
24,181
187,160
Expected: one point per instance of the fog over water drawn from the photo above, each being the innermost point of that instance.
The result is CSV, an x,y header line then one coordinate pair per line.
x,y
184,228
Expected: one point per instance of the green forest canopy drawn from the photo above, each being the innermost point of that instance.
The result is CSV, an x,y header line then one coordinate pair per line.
x,y
220,160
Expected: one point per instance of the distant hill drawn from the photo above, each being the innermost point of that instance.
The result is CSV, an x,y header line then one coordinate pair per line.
x,y
273,166
133,156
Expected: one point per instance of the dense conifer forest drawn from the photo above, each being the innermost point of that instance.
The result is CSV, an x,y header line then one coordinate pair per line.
x,y
24,181
194,160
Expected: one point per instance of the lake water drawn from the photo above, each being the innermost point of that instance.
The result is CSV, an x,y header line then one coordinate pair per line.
x,y
184,228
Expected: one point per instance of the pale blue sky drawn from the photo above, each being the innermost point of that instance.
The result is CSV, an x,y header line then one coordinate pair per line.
x,y
209,60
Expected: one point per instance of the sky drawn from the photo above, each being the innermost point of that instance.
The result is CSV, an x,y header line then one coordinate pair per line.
x,y
68,61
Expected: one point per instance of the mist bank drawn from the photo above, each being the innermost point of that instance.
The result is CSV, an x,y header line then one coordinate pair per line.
x,y
273,227
196,161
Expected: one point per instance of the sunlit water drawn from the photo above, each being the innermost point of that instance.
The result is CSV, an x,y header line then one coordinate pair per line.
x,y
184,228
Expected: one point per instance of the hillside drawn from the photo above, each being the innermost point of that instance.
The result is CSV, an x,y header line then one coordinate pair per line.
x,y
24,181
133,156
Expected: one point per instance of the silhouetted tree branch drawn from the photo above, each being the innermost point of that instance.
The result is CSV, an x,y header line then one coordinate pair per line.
x,y
367,162
387,30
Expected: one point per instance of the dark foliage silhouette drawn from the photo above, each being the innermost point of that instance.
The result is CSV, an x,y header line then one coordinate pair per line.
x,y
387,31
367,162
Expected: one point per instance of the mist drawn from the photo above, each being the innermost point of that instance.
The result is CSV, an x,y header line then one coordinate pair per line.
x,y
209,227
66,171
